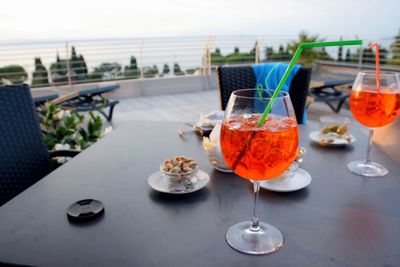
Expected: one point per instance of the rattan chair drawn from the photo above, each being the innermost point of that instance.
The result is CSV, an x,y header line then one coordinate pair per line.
x,y
24,158
231,78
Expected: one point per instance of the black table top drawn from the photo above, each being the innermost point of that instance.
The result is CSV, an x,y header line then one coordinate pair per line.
x,y
340,219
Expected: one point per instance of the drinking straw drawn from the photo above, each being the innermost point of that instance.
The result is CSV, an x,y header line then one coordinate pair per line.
x,y
291,65
377,65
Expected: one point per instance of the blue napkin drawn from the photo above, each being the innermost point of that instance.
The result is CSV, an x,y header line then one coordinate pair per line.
x,y
268,76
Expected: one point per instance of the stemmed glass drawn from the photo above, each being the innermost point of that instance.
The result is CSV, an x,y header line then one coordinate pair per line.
x,y
258,153
374,106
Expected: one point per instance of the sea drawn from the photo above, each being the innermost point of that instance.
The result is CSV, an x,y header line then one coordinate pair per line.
x,y
188,51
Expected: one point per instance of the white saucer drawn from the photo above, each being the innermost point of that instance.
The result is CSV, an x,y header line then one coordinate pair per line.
x,y
288,183
160,183
315,136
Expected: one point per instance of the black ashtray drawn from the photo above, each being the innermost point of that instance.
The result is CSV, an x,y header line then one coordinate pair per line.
x,y
85,210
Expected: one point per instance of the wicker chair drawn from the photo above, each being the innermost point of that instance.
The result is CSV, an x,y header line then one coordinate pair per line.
x,y
24,158
231,78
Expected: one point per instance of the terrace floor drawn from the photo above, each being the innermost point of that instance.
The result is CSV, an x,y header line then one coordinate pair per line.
x,y
187,107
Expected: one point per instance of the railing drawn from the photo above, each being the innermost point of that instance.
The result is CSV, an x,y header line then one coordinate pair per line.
x,y
81,61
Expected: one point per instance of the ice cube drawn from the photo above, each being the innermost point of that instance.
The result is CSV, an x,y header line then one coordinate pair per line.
x,y
280,124
247,116
234,126
250,119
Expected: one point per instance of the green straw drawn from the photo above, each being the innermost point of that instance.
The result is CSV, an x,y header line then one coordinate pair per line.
x,y
291,65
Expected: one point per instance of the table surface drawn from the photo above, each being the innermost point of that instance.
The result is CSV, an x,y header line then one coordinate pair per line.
x,y
340,219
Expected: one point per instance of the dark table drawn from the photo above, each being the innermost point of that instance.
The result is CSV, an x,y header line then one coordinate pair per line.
x,y
340,219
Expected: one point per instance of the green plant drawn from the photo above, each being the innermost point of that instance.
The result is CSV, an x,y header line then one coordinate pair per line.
x,y
150,72
191,71
308,56
281,55
13,73
40,75
69,128
340,52
131,71
217,57
166,69
348,56
177,70
368,56
75,67
395,47
235,57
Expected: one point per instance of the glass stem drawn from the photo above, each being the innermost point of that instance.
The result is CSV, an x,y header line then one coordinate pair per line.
x,y
255,225
371,133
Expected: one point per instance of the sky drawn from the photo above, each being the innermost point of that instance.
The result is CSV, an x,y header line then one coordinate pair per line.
x,y
80,19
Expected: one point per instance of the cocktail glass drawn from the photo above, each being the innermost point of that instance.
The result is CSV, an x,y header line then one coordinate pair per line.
x,y
258,153
374,107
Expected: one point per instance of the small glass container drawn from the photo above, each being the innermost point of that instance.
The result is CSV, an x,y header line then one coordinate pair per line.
x,y
179,177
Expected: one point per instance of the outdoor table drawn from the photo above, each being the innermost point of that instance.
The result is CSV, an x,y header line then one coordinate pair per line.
x,y
340,219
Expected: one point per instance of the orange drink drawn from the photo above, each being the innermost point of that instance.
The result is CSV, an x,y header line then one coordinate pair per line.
x,y
269,149
258,149
373,108
374,102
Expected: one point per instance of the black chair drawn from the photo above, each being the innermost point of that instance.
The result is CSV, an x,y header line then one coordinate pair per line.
x,y
92,99
329,93
24,158
231,78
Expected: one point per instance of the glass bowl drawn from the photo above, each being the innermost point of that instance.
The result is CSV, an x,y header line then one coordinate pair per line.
x,y
181,177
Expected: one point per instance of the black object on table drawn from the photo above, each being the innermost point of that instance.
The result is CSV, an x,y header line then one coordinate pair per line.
x,y
340,219
85,210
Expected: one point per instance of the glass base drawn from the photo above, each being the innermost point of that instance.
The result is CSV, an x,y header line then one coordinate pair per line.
x,y
267,240
370,169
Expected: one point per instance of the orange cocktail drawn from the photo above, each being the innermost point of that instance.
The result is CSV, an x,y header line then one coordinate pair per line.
x,y
375,108
257,150
269,149
374,102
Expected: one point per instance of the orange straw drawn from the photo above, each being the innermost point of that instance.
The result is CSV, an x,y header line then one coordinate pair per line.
x,y
377,64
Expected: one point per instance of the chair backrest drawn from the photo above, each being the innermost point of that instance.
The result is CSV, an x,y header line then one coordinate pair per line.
x,y
231,78
24,158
